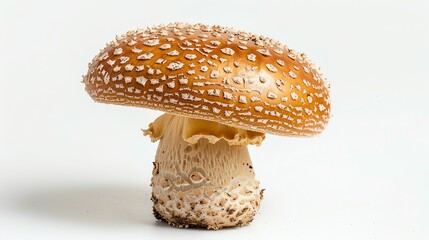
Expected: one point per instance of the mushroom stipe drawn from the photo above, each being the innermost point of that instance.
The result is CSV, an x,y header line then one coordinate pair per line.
x,y
221,90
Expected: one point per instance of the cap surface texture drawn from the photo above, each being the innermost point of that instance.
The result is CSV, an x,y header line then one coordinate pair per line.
x,y
213,73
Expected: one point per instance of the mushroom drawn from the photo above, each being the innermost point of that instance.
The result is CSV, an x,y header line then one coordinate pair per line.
x,y
221,90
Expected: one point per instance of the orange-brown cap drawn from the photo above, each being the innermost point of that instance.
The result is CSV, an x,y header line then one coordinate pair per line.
x,y
213,73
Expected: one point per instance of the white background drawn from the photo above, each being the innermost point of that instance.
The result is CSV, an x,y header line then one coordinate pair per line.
x,y
74,169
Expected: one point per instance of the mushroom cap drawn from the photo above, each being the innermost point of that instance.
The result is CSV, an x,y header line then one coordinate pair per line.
x,y
214,73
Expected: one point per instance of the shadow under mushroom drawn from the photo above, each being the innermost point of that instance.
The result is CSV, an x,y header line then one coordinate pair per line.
x,y
94,205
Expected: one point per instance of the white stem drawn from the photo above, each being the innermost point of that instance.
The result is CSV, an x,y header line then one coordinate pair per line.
x,y
203,184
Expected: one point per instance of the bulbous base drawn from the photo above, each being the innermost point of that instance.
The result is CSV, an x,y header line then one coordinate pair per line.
x,y
231,206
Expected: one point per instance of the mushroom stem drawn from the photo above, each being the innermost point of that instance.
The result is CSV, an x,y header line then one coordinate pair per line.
x,y
208,185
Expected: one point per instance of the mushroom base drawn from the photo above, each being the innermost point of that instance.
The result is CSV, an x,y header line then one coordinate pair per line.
x,y
221,211
205,185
